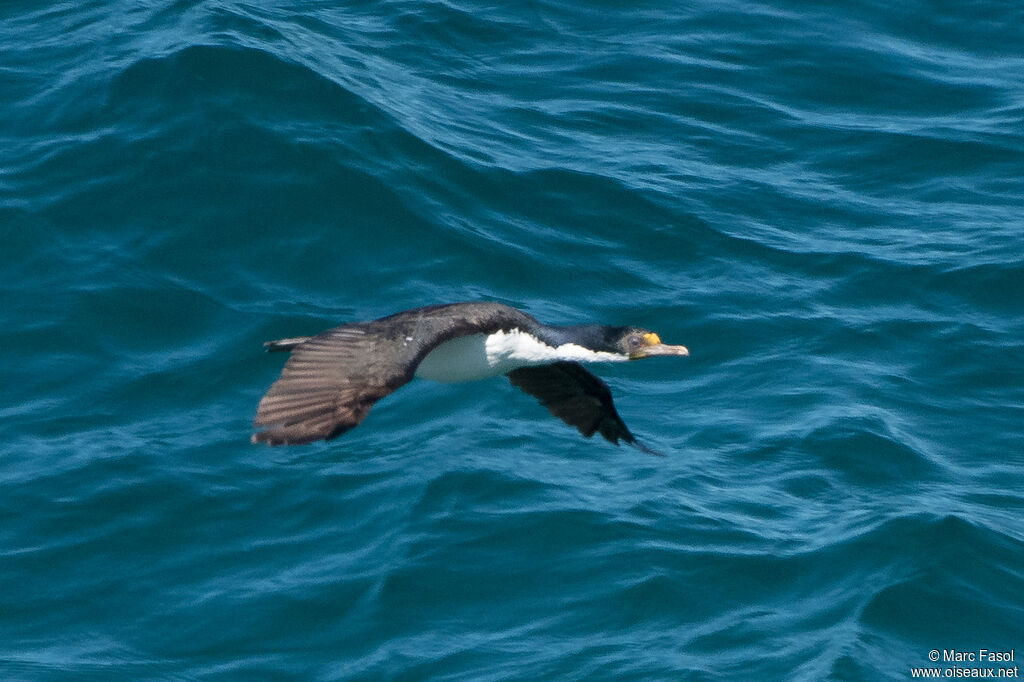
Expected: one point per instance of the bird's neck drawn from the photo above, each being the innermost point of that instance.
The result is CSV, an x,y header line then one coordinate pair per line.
x,y
478,356
542,347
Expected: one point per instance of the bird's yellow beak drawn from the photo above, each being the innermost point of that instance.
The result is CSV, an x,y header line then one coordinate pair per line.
x,y
655,348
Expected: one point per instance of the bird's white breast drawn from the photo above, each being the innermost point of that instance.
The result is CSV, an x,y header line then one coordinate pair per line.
x,y
479,356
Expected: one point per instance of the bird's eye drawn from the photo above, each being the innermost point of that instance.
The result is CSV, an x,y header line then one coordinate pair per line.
x,y
635,341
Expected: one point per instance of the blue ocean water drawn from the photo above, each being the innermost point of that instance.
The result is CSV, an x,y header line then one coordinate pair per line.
x,y
825,202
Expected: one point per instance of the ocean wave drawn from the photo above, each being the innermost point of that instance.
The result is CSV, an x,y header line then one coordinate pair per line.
x,y
822,203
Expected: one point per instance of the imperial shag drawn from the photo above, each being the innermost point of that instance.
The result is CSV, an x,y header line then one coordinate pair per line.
x,y
333,379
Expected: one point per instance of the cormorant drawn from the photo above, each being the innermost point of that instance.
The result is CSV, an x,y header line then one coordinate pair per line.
x,y
332,379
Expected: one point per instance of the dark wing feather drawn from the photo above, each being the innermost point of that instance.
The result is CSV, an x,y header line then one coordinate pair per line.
x,y
575,396
331,380
325,389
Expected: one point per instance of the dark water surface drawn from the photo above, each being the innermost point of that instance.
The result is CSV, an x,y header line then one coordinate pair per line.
x,y
824,202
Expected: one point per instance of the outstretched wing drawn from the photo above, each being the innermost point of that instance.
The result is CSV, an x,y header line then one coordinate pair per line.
x,y
331,380
325,388
575,396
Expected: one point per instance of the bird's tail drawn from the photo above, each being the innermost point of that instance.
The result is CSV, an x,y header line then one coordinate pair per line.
x,y
285,344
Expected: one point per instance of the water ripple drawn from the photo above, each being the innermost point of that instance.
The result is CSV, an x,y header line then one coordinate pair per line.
x,y
822,203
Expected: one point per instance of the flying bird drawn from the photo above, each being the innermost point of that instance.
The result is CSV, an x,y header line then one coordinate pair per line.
x,y
331,380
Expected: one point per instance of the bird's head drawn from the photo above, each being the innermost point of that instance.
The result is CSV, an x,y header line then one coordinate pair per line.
x,y
639,343
631,343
